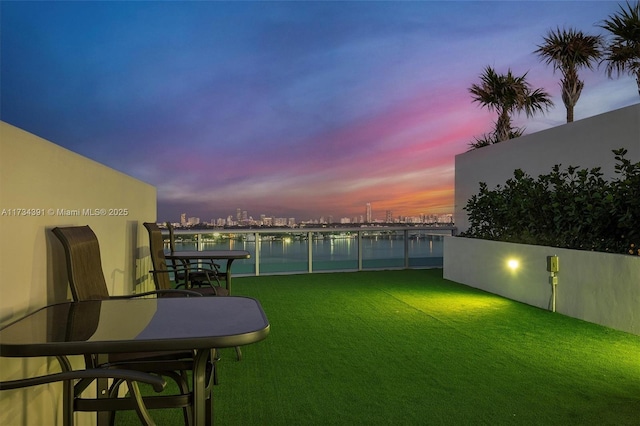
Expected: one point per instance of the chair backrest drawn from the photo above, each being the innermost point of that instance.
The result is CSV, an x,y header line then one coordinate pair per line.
x,y
172,246
84,265
156,247
82,320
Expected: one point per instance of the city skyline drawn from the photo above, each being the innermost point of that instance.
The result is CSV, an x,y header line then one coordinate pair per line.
x,y
243,217
284,108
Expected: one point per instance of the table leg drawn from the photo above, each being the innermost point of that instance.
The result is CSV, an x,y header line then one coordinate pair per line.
x,y
103,417
201,410
67,390
228,277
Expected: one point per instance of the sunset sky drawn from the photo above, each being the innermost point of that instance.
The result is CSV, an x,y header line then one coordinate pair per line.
x,y
289,109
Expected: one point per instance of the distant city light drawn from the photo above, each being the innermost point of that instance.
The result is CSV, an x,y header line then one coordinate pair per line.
x,y
243,218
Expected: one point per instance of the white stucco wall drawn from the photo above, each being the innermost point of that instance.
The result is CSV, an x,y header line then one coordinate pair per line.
x,y
36,174
597,287
585,143
602,288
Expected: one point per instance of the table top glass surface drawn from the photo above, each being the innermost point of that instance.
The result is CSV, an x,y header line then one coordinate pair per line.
x,y
139,324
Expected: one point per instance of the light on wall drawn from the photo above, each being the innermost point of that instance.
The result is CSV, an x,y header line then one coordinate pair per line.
x,y
513,264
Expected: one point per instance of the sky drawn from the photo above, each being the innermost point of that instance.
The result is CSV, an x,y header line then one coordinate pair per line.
x,y
289,109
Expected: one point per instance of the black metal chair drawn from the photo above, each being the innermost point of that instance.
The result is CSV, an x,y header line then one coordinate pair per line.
x,y
202,273
131,377
184,274
79,323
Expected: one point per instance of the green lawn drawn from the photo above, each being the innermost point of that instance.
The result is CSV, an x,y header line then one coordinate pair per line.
x,y
410,348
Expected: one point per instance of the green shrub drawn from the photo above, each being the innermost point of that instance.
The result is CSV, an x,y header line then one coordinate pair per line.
x,y
573,208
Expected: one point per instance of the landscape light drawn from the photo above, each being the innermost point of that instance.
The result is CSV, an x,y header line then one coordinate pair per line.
x,y
513,264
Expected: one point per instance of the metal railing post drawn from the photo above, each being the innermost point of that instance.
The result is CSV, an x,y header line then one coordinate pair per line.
x,y
310,252
257,257
359,250
406,248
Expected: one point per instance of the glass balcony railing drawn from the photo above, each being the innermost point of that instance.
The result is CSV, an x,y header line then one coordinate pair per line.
x,y
281,251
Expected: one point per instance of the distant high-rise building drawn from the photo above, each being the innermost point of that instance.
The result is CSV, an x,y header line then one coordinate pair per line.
x,y
369,214
445,218
389,216
183,219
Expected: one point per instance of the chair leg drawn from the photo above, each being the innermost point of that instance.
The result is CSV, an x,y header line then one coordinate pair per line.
x,y
113,392
212,380
214,365
141,410
183,385
181,381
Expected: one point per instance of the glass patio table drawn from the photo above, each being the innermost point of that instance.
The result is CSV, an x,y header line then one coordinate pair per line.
x,y
140,325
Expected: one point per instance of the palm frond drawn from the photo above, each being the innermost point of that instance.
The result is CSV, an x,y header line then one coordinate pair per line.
x,y
506,94
622,54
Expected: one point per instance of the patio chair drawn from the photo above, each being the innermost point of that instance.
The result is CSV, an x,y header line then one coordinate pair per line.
x,y
80,322
68,377
87,282
198,275
182,273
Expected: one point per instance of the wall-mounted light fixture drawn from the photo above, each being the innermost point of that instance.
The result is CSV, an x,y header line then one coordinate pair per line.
x,y
513,264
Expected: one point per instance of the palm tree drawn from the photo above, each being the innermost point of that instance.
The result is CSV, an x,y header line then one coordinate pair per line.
x,y
506,94
568,50
622,54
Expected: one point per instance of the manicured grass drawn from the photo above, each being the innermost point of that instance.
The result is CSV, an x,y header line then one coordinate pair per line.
x,y
409,348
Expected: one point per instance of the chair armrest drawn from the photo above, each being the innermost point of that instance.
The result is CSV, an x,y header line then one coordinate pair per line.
x,y
157,292
211,275
174,291
157,382
172,269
